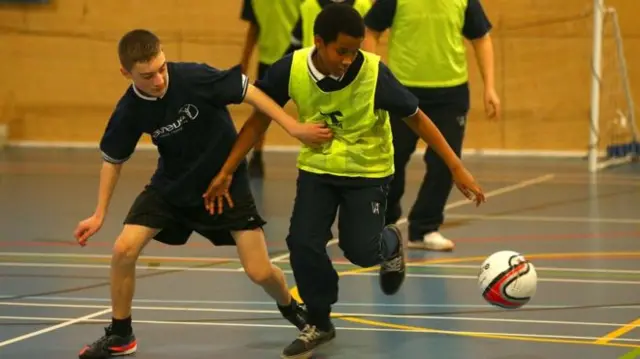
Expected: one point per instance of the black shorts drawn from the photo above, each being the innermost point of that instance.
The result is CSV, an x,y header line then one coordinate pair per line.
x,y
178,223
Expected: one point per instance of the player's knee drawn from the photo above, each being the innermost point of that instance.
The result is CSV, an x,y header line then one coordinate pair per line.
x,y
363,260
259,274
126,249
362,255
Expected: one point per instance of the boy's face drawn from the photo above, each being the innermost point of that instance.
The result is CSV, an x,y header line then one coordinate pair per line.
x,y
337,56
150,77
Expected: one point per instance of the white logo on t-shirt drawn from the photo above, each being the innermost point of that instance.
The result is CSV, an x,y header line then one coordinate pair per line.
x,y
186,114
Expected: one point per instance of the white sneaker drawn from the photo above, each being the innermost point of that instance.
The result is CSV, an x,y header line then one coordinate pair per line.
x,y
433,241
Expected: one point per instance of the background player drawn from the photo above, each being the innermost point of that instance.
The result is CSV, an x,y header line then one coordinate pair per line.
x,y
270,26
427,54
303,35
352,92
182,106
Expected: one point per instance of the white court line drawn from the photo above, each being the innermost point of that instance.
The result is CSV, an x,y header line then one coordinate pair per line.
x,y
351,314
231,270
475,277
359,329
68,322
549,280
540,269
106,266
544,218
288,271
270,304
108,256
462,202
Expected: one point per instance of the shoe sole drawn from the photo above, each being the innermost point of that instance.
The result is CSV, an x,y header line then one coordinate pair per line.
x,y
131,351
309,354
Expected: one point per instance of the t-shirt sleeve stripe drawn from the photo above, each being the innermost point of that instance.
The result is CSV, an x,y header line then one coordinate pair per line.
x,y
245,85
115,161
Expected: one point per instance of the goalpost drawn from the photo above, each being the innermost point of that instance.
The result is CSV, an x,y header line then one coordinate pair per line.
x,y
613,128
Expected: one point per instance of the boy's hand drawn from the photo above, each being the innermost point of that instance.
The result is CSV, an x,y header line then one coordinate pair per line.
x,y
311,134
492,106
467,185
217,193
87,228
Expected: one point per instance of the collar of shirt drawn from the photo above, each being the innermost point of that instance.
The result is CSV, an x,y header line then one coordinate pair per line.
x,y
315,73
144,96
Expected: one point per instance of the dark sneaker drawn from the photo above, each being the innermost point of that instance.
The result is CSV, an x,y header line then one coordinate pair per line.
x,y
392,271
298,316
109,345
309,339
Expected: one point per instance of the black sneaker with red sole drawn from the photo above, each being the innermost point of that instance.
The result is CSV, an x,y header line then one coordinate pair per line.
x,y
110,345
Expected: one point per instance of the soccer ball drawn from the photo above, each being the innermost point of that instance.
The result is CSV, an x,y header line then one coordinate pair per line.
x,y
507,280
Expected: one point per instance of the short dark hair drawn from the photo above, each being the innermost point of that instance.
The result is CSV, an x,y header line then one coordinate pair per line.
x,y
137,46
337,19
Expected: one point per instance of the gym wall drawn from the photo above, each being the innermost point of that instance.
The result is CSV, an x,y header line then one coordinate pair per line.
x,y
60,75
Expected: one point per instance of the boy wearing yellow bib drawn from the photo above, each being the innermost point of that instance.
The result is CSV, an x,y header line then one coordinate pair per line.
x,y
352,93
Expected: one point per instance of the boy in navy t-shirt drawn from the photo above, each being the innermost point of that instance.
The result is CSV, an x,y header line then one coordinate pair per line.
x,y
182,106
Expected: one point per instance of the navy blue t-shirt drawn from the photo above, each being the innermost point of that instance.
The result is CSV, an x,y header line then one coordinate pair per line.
x,y
390,95
190,125
476,25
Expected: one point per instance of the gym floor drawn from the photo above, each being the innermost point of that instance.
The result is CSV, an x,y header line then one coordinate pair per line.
x,y
581,232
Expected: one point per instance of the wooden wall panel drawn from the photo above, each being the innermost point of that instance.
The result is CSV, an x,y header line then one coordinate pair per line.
x,y
60,69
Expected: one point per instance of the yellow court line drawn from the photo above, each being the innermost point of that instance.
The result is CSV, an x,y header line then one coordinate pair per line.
x,y
618,332
480,335
295,294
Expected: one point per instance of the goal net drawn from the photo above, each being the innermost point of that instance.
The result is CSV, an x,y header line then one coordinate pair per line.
x,y
563,76
614,136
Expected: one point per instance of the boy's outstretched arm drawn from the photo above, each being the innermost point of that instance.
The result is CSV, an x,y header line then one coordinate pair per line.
x,y
421,124
252,130
250,133
218,190
309,134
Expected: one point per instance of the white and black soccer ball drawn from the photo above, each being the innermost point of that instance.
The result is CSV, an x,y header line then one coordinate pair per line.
x,y
507,280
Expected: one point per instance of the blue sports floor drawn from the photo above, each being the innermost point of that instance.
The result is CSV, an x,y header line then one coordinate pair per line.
x,y
581,232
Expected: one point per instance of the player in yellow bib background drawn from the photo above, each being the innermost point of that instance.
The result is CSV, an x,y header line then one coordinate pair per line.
x,y
309,9
427,54
270,26
352,93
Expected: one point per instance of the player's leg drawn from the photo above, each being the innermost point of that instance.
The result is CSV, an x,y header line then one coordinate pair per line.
x,y
241,226
254,257
256,163
404,144
314,212
427,214
364,237
147,216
